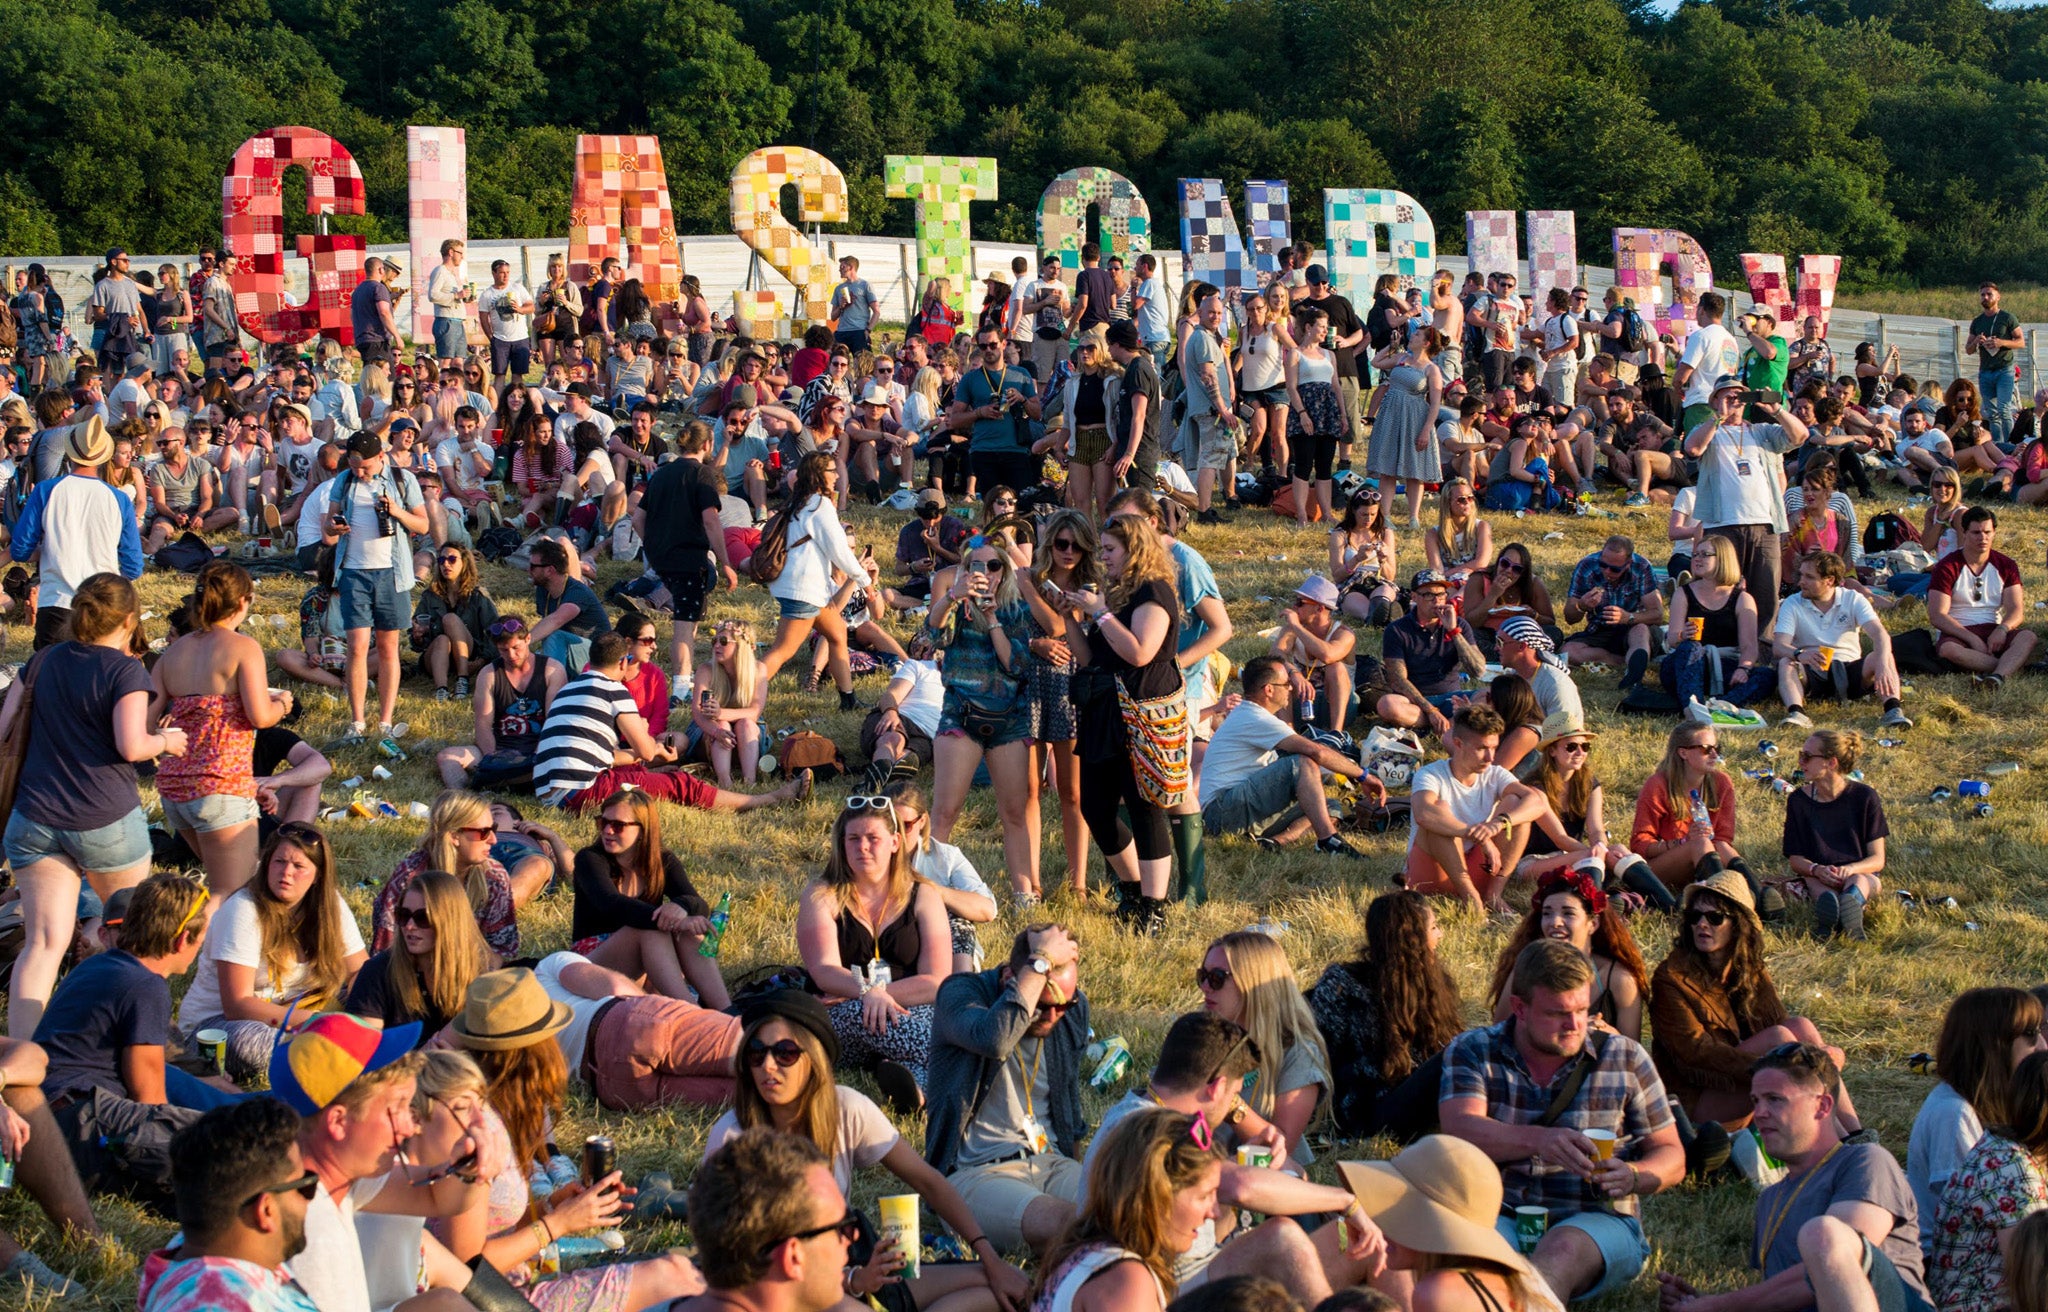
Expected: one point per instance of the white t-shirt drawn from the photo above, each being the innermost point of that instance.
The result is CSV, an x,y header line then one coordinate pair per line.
x,y
865,1136
330,1267
1931,441
1712,352
1559,329
236,937
457,467
572,1037
567,421
1153,325
1745,477
1171,474
365,545
297,459
127,392
1246,743
927,695
1020,322
1682,501
1806,625
1470,803
948,867
513,329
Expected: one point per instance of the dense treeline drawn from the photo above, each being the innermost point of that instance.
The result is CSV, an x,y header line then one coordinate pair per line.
x,y
1908,135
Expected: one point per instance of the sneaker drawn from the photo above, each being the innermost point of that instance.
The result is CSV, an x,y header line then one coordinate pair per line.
x,y
1827,915
1747,1152
1636,499
1707,1154
462,688
1335,845
1852,917
1770,907
1210,516
1896,718
903,769
37,1275
1267,842
1585,487
268,515
899,1088
1988,682
441,694
353,738
1796,719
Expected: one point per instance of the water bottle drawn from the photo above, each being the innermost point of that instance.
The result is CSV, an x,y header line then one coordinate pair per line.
x,y
1700,814
719,920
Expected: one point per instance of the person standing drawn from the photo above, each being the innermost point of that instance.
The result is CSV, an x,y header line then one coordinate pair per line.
x,y
1994,336
854,307
1212,421
367,504
220,326
1711,354
76,527
1345,334
1135,408
369,311
1741,490
685,541
506,308
451,295
1094,293
1152,312
991,400
1045,310
116,309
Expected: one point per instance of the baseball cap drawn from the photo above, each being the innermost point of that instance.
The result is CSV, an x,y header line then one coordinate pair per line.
x,y
116,909
366,446
1316,273
932,496
1428,578
116,253
1318,590
743,394
404,422
330,1053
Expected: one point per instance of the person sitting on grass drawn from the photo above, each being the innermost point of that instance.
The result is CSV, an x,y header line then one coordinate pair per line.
x,y
1998,1185
1500,1092
1259,771
784,1078
776,1231
1840,1233
636,1050
1714,1010
636,910
1422,655
731,699
595,743
1569,907
1202,1063
1978,606
969,902
1471,820
323,649
1564,773
1615,593
511,702
1685,817
1316,644
425,973
1815,643
294,792
458,839
896,736
1834,834
451,626
1246,979
1985,1035
1722,660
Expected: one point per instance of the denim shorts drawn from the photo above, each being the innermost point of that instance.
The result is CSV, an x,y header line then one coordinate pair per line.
x,y
371,600
117,846
451,339
203,815
1251,801
797,610
1619,1239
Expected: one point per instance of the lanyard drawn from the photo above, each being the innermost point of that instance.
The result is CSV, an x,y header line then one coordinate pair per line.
x,y
1777,1222
1031,1079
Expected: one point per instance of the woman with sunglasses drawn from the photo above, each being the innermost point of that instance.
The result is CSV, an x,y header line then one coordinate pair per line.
x,y
1985,1035
980,618
510,704
424,975
1245,978
1714,1010
641,671
214,684
1461,543
731,699
458,839
506,1087
280,951
877,945
125,477
784,1081
1834,835
636,910
1364,559
1151,1195
1385,1018
1564,772
1685,814
405,397
1509,587
1942,520
1570,906
969,902
1722,660
1069,553
540,461
451,625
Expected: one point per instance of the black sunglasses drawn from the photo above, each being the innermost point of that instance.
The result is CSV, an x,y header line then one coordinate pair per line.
x,y
1211,980
1706,915
414,916
785,1051
848,1227
305,1186
1065,544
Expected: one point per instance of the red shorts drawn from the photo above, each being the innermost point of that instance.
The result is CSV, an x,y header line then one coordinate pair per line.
x,y
670,786
1423,875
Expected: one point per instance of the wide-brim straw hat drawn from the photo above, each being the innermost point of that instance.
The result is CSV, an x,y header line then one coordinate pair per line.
x,y
1439,1195
1730,887
508,1009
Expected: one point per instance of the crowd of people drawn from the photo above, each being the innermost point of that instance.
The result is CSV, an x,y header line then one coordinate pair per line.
x,y
1064,637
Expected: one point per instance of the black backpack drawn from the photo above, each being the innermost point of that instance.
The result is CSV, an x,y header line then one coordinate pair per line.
x,y
1887,532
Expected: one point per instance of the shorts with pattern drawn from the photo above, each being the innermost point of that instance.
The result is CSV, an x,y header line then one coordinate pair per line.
x,y
1215,445
689,589
907,1042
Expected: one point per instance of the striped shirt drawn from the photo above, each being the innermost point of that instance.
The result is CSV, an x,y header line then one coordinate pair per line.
x,y
580,737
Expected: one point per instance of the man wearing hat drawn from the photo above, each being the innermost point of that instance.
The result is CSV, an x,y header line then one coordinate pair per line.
x,y
1422,655
1528,651
1615,592
368,509
1528,1091
1316,644
1742,482
75,527
879,446
353,1084
1257,767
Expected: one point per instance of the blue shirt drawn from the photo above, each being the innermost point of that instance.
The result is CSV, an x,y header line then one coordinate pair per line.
x,y
1195,581
110,1001
1001,434
1627,592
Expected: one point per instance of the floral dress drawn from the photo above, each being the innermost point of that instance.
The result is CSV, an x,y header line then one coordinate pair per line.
x,y
1997,1186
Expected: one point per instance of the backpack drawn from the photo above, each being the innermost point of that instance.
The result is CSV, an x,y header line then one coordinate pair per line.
x,y
1634,336
1886,532
188,555
805,750
772,554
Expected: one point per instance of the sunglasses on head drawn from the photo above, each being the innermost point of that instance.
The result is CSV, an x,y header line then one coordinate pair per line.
x,y
1706,916
1212,978
860,802
786,1052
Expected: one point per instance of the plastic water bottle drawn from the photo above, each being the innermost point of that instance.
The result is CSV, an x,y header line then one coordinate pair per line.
x,y
719,920
1700,814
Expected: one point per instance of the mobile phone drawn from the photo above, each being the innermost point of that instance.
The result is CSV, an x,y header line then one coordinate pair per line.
x,y
977,567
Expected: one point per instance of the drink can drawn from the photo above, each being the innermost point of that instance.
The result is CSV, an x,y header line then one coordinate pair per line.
x,y
600,1158
899,1222
213,1050
1116,1059
1696,627
1982,810
1973,788
1255,1154
1767,749
1530,1225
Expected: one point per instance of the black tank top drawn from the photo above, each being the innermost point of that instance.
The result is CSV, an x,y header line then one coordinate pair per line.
x,y
1719,630
519,708
899,945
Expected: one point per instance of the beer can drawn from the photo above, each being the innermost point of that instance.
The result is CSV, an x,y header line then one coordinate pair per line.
x,y
1255,1154
1116,1059
600,1158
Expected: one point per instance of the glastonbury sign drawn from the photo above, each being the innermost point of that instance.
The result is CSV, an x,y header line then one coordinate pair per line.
x,y
620,208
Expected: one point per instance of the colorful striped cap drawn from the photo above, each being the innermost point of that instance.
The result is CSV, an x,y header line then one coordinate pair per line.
x,y
329,1054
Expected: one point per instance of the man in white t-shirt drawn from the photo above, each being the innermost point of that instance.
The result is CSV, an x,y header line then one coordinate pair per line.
x,y
1741,488
132,394
506,310
1711,354
1977,605
576,410
897,735
367,511
1922,449
1151,311
353,1084
1257,767
464,461
1816,645
1469,821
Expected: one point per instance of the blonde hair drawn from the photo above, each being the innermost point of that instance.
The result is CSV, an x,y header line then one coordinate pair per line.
x,y
1138,1166
1456,536
739,686
1004,566
1276,1015
925,383
1727,570
456,809
843,886
1146,558
376,381
445,1073
1671,770
459,956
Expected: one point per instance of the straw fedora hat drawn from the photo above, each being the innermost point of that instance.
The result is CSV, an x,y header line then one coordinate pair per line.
x,y
1560,725
508,1009
1442,1195
1730,887
88,443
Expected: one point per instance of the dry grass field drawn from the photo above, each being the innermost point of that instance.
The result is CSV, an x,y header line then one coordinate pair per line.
x,y
1880,1000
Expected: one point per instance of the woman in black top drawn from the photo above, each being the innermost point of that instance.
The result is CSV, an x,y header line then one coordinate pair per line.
x,y
636,911
1722,659
424,975
1386,1019
1835,831
1130,640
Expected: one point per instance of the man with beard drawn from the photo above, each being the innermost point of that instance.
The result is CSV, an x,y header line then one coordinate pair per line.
x,y
242,1194
1578,1121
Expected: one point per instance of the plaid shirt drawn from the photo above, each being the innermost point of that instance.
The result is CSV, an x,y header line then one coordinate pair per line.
x,y
1626,592
1622,1093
